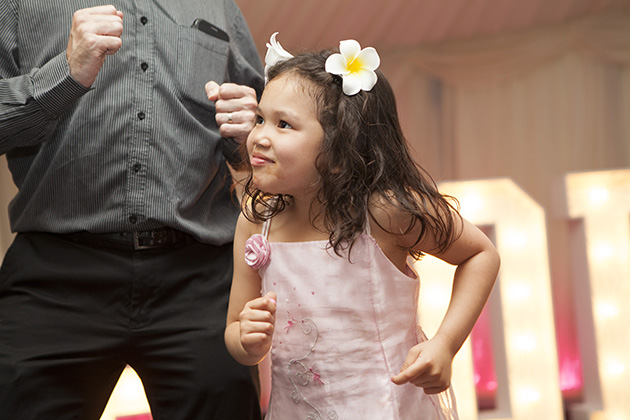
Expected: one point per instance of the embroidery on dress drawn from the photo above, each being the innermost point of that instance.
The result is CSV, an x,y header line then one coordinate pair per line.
x,y
290,322
314,373
304,376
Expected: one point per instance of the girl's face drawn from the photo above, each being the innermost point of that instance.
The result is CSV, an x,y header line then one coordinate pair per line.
x,y
286,139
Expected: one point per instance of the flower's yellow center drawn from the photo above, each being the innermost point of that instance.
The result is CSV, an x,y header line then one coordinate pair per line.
x,y
355,65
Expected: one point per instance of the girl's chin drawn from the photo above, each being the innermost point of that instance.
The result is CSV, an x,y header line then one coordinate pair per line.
x,y
265,187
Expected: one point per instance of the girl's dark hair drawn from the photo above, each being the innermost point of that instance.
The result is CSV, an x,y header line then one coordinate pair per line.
x,y
363,153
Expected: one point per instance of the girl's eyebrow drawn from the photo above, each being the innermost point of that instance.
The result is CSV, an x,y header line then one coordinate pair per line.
x,y
287,114
280,113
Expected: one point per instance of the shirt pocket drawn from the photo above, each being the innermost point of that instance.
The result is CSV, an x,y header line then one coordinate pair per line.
x,y
200,58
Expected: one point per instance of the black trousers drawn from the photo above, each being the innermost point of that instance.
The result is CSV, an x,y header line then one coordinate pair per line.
x,y
72,316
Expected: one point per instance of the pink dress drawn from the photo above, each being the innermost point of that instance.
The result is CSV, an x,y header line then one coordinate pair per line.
x,y
342,330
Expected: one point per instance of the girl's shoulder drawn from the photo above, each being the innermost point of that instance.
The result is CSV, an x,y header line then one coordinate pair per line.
x,y
247,227
388,213
388,221
406,226
250,218
387,226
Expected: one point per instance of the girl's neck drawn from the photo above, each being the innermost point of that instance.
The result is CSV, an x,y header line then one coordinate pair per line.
x,y
304,206
301,211
298,223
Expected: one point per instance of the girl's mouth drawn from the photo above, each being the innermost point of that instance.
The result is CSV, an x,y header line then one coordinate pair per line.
x,y
259,160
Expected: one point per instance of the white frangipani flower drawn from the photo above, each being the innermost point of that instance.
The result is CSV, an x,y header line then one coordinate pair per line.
x,y
275,54
355,65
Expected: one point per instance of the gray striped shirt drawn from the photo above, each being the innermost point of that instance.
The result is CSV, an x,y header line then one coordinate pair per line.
x,y
140,149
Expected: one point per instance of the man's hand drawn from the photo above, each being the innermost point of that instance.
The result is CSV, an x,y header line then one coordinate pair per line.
x,y
235,109
95,34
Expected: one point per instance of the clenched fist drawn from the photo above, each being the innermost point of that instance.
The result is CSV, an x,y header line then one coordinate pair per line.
x,y
95,34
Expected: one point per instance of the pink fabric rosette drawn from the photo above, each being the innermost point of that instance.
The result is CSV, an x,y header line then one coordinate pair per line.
x,y
257,251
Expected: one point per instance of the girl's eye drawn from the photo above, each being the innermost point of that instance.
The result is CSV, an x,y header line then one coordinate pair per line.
x,y
259,119
284,124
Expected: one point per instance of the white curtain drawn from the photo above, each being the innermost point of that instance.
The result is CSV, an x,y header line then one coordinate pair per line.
x,y
527,105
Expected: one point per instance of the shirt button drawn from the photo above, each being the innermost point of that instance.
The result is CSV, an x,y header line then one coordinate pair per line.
x,y
144,66
144,20
137,167
141,115
133,218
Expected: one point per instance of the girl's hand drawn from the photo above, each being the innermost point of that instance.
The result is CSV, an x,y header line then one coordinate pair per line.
x,y
428,365
257,322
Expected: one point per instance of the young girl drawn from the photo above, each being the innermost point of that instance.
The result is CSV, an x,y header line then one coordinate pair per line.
x,y
334,207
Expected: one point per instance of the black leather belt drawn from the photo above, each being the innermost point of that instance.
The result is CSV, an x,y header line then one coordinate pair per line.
x,y
138,240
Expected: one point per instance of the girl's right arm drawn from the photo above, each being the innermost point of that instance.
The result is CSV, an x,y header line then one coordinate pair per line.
x,y
251,318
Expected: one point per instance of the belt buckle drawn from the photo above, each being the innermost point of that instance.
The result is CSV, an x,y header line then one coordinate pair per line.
x,y
138,246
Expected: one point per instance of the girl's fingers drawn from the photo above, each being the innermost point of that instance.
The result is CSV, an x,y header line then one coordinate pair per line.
x,y
409,368
272,297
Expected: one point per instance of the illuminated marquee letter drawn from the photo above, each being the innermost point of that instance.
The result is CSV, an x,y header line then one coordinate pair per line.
x,y
127,398
523,325
602,201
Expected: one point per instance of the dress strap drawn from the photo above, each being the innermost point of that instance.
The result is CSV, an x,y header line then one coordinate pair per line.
x,y
267,223
368,230
265,228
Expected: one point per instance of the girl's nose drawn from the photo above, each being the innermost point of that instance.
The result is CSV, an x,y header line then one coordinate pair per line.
x,y
259,137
